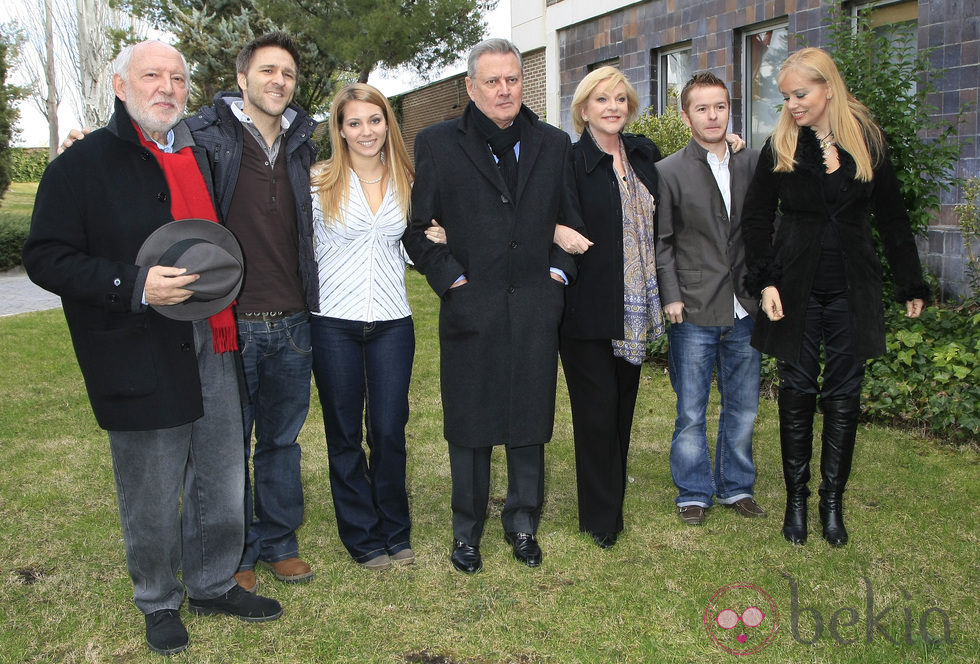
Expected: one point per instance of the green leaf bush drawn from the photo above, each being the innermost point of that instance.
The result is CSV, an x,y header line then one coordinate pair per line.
x,y
667,130
930,376
28,164
13,233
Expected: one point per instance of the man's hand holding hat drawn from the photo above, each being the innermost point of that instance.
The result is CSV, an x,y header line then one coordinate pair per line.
x,y
191,251
166,285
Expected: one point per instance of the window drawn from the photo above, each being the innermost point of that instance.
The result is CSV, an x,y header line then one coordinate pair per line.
x,y
611,62
764,51
897,21
675,66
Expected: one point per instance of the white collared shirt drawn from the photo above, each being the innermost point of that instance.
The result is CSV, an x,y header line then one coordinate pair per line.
x,y
360,258
723,178
167,147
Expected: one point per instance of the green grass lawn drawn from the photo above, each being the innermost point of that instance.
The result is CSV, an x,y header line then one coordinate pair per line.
x,y
913,509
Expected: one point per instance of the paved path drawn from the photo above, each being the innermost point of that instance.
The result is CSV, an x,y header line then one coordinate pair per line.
x,y
19,295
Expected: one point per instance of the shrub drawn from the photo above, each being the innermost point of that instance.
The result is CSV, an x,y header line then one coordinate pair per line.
x,y
13,234
667,130
28,164
930,376
968,214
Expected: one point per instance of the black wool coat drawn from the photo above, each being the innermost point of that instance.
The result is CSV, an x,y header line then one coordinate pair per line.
x,y
95,206
594,303
787,256
498,332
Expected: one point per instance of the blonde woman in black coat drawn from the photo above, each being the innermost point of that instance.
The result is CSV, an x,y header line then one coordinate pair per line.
x,y
614,308
826,170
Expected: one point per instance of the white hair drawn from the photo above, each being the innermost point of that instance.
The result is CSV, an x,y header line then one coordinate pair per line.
x,y
493,45
120,65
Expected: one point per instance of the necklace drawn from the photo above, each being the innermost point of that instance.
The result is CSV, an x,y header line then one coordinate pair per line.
x,y
827,141
370,181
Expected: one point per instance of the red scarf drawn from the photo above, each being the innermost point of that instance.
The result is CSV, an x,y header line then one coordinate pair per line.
x,y
190,199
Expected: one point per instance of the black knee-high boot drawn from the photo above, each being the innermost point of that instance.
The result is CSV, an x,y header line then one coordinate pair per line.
x,y
840,420
796,442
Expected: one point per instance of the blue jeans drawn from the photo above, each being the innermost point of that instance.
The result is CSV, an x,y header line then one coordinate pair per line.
x,y
277,359
694,353
363,371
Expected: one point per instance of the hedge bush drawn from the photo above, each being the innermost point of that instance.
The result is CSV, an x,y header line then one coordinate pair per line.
x,y
666,130
28,164
930,376
13,234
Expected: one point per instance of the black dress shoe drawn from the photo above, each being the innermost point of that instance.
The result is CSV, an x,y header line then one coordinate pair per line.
x,y
526,549
466,558
239,603
604,540
165,633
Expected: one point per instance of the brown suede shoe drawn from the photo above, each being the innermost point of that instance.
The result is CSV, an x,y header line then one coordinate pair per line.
x,y
747,507
247,580
291,570
692,515
403,557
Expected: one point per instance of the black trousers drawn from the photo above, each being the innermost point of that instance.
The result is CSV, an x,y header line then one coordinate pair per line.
x,y
470,471
602,390
828,324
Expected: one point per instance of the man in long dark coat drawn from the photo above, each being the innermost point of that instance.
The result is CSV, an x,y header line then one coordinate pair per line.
x,y
166,389
498,180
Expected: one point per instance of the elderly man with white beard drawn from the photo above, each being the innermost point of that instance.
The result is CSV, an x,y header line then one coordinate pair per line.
x,y
165,387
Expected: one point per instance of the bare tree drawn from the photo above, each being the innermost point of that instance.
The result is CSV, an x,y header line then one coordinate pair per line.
x,y
39,61
52,100
101,29
74,41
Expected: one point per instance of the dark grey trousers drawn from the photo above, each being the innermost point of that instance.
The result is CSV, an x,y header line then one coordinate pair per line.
x,y
470,471
181,493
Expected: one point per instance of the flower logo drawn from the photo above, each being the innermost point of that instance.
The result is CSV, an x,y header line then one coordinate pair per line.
x,y
741,619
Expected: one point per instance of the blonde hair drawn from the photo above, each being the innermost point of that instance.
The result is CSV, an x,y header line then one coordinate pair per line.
x,y
850,120
330,179
592,80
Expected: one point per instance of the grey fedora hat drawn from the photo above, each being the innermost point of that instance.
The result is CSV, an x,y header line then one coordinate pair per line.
x,y
201,247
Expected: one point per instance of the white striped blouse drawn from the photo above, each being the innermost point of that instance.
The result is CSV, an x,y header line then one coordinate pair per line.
x,y
361,260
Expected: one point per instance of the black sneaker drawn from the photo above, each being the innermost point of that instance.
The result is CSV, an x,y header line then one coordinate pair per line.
x,y
165,633
239,603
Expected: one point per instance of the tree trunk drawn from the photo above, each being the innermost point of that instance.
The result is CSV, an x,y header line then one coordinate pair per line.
x,y
51,101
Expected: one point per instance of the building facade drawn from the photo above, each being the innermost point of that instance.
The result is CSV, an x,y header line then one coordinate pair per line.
x,y
659,43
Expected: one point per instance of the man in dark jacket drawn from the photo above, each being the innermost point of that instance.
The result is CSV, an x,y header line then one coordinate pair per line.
x,y
166,390
498,180
260,149
700,267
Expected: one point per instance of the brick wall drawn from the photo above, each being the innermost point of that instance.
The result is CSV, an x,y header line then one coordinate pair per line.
x,y
446,99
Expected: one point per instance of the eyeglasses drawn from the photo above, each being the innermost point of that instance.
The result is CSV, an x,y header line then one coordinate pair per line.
x,y
751,617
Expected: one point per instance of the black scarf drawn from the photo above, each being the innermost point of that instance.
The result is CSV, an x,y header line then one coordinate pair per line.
x,y
501,142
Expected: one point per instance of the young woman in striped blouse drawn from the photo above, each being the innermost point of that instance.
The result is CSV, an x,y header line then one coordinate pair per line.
x,y
363,336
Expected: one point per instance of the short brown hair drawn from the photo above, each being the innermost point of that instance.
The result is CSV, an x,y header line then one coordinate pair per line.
x,y
702,79
277,39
